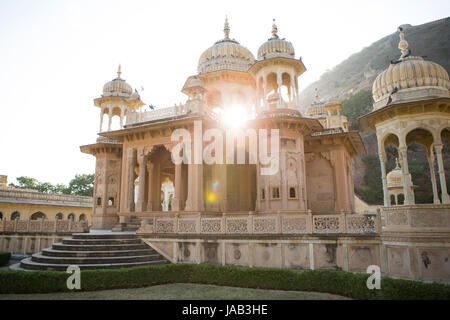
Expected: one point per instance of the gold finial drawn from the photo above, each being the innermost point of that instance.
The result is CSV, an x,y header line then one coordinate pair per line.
x,y
403,44
226,28
274,30
119,72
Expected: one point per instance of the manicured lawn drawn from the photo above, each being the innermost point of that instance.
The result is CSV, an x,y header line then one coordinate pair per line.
x,y
179,291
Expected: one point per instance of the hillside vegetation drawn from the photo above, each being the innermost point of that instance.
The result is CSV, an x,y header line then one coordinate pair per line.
x,y
360,70
351,81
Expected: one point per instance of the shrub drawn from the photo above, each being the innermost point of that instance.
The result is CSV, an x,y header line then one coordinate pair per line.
x,y
343,283
4,258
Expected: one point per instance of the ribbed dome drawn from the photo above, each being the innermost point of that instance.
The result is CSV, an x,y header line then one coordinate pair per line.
x,y
117,87
411,72
225,54
409,78
395,177
275,47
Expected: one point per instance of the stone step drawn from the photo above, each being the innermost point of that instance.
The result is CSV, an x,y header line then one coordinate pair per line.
x,y
31,265
72,247
37,257
112,253
112,235
100,241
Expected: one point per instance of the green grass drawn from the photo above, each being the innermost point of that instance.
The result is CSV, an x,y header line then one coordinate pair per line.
x,y
178,291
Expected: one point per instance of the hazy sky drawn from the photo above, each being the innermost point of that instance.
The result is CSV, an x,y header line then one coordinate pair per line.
x,y
55,57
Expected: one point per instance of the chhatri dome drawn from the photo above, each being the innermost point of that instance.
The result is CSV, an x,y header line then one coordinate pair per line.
x,y
117,87
409,78
395,177
275,47
225,54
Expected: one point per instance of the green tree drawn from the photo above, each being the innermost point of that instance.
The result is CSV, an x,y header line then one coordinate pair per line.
x,y
357,105
82,185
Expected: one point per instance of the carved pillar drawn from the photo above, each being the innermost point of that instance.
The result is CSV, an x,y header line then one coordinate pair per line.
x,y
142,160
130,192
382,157
279,88
150,186
101,120
407,182
109,118
194,200
433,177
444,193
284,186
122,111
105,186
177,196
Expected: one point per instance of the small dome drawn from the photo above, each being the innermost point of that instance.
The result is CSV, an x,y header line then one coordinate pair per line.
x,y
225,54
117,87
275,47
317,107
395,177
409,78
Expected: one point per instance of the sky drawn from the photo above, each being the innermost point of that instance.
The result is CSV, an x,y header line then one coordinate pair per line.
x,y
55,57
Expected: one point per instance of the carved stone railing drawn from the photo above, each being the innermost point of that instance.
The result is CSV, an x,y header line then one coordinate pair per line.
x,y
416,218
251,223
43,226
163,113
23,195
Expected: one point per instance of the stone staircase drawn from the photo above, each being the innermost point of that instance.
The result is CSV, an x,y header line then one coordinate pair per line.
x,y
132,226
95,251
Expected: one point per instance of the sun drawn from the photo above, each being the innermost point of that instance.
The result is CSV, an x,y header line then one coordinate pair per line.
x,y
234,116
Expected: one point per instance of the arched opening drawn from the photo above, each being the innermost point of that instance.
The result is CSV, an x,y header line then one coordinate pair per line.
x,y
401,199
167,194
162,182
82,217
38,216
286,89
71,216
59,216
445,137
1,216
15,215
419,142
392,200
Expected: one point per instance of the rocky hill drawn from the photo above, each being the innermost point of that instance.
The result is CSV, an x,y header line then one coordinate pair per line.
x,y
360,69
351,81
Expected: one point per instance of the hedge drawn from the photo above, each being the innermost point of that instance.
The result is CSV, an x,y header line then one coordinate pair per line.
x,y
343,283
4,258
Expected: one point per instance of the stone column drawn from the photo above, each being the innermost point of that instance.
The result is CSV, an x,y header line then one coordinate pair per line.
x,y
279,88
407,183
109,118
430,158
105,187
101,120
284,186
150,186
383,178
177,196
194,200
264,92
444,193
130,192
142,160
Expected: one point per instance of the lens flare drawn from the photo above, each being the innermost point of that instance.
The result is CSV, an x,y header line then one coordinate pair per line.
x,y
234,116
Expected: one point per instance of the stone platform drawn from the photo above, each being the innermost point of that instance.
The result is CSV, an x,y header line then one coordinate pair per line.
x,y
95,251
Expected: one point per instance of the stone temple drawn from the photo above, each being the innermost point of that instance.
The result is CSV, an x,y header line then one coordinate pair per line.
x,y
240,175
